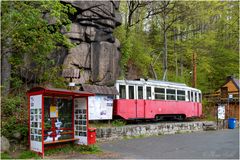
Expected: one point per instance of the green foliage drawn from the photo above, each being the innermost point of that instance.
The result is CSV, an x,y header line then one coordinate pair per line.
x,y
29,155
5,156
211,32
118,123
10,104
70,148
14,116
134,49
31,31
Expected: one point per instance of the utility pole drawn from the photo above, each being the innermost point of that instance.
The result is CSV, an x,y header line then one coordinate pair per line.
x,y
194,78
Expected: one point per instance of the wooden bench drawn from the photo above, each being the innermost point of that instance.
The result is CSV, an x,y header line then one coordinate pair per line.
x,y
62,141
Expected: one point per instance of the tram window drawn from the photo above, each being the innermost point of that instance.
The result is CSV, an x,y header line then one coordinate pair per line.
x,y
200,97
131,92
171,94
189,96
140,92
122,90
192,97
159,93
149,96
181,95
196,100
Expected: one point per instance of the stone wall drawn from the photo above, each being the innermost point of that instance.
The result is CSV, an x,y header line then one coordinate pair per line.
x,y
107,134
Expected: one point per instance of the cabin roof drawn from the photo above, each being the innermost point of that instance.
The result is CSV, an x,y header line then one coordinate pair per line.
x,y
236,82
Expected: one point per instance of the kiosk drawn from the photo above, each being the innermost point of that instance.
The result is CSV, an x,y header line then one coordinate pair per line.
x,y
58,116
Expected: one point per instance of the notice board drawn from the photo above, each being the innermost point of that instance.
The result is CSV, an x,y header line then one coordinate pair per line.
x,y
100,107
36,123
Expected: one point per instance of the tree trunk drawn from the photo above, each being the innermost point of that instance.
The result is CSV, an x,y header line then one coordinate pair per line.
x,y
165,50
175,51
5,72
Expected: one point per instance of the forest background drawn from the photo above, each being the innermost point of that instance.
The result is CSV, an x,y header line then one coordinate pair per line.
x,y
154,36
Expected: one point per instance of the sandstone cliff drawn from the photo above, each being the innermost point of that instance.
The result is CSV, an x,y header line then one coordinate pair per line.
x,y
95,58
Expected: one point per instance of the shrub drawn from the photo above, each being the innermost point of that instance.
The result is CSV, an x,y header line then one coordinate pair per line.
x,y
14,116
118,123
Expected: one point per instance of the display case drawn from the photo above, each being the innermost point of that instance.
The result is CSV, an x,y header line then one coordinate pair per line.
x,y
57,116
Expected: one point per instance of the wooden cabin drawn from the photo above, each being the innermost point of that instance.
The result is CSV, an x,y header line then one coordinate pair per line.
x,y
227,94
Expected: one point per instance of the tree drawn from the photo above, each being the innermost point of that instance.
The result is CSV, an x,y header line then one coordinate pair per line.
x,y
30,32
209,29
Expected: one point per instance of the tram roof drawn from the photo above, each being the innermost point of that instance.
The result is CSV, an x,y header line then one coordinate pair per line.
x,y
157,83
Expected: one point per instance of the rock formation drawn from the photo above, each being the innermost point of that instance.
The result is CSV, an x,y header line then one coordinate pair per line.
x,y
96,54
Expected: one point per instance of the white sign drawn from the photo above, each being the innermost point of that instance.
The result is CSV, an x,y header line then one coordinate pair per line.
x,y
100,107
221,112
36,123
80,120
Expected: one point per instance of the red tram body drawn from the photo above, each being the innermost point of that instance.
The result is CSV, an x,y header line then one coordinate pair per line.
x,y
140,99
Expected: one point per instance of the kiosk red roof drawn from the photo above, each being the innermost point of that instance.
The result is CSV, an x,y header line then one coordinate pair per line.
x,y
58,91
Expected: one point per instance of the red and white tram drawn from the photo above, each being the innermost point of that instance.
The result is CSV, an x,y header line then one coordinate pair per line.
x,y
152,99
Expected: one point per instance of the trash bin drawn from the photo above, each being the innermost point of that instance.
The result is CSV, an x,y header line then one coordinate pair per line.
x,y
91,135
231,123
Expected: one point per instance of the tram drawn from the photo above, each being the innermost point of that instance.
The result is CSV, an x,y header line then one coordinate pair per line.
x,y
153,99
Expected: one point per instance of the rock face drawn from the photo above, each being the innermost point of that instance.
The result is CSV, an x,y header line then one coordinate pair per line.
x,y
5,145
96,53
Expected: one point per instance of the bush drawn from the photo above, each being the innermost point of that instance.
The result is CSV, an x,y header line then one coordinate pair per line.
x,y
14,115
118,123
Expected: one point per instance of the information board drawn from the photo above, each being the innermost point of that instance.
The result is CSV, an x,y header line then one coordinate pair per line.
x,y
80,120
221,112
36,123
100,107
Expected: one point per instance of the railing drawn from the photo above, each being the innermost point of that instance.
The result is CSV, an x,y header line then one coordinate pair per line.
x,y
217,97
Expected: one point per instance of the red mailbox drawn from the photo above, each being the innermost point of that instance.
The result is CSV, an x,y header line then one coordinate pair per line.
x,y
91,135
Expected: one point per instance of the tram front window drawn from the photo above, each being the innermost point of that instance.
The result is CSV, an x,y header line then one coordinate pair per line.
x,y
140,92
131,92
149,96
122,91
171,94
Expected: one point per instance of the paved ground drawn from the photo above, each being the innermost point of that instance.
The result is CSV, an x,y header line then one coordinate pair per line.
x,y
222,144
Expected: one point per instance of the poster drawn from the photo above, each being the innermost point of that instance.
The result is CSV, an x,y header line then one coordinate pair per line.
x,y
221,112
53,112
36,123
100,107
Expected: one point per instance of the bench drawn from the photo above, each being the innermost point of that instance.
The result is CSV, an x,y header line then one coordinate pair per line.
x,y
62,141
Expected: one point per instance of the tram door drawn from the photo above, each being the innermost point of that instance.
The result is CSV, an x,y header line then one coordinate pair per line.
x,y
140,104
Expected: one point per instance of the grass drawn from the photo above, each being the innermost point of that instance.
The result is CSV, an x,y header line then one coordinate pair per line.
x,y
71,148
118,123
28,155
23,155
5,156
105,124
66,149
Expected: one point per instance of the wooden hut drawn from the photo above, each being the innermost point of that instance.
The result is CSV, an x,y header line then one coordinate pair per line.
x,y
227,94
